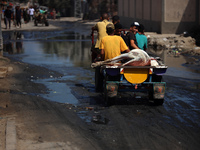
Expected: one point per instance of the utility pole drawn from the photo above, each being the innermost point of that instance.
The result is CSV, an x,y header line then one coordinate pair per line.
x,y
77,8
1,38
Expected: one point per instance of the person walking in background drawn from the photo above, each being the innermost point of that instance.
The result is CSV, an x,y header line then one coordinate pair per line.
x,y
7,17
25,15
31,13
18,14
141,38
51,14
58,15
28,15
54,14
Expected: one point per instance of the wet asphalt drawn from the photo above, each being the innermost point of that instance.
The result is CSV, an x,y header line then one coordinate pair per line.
x,y
174,125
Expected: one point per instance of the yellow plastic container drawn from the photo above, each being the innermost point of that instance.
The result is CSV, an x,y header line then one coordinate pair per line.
x,y
136,75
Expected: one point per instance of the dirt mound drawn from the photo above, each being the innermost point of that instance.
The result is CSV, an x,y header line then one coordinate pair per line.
x,y
171,42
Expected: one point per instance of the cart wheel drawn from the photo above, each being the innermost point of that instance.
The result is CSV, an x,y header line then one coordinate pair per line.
x,y
98,80
110,92
158,102
106,98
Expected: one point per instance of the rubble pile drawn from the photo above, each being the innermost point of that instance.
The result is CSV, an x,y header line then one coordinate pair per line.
x,y
171,42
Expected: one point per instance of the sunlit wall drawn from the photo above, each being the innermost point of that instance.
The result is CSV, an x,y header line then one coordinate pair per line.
x,y
162,16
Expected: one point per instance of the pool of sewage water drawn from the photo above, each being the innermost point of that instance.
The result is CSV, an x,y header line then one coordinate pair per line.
x,y
69,53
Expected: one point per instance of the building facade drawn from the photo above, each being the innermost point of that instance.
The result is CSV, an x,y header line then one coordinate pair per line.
x,y
161,16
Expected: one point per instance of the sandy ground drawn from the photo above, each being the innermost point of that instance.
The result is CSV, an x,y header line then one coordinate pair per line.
x,y
29,122
26,120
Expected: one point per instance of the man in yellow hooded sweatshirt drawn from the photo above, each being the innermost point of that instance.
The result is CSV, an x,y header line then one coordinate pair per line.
x,y
100,27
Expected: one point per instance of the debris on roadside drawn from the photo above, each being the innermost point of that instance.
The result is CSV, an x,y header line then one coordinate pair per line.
x,y
99,119
4,70
89,108
194,51
169,42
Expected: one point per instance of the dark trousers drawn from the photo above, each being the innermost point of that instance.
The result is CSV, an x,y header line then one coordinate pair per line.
x,y
7,20
18,21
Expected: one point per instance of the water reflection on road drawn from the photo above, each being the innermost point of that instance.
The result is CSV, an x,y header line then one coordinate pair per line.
x,y
177,121
69,54
69,49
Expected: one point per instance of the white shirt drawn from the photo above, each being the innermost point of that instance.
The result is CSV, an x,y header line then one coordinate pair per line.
x,y
31,11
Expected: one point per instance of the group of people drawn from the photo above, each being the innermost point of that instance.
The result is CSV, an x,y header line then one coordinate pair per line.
x,y
16,15
111,41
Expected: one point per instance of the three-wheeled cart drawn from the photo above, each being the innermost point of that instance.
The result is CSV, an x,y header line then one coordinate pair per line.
x,y
110,79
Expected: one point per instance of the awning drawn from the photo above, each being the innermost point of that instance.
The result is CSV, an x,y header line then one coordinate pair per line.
x,y
10,4
6,3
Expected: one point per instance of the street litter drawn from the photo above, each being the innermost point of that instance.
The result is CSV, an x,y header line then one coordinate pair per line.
x,y
89,108
99,119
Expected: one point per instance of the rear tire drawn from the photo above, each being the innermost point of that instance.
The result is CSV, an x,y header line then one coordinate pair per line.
x,y
108,101
158,102
110,90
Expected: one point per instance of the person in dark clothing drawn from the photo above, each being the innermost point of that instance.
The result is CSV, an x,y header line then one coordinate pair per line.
x,y
8,15
25,15
18,14
118,28
115,19
131,38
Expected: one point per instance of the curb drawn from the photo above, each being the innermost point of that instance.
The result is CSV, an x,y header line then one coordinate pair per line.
x,y
11,134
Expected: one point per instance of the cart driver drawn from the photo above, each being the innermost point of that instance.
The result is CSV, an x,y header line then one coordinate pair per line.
x,y
112,45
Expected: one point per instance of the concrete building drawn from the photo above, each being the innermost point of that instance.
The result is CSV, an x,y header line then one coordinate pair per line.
x,y
161,16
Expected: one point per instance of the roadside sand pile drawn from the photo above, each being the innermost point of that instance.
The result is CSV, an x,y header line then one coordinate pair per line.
x,y
171,41
4,68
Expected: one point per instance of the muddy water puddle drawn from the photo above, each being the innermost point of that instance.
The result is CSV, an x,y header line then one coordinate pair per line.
x,y
68,53
131,118
65,52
